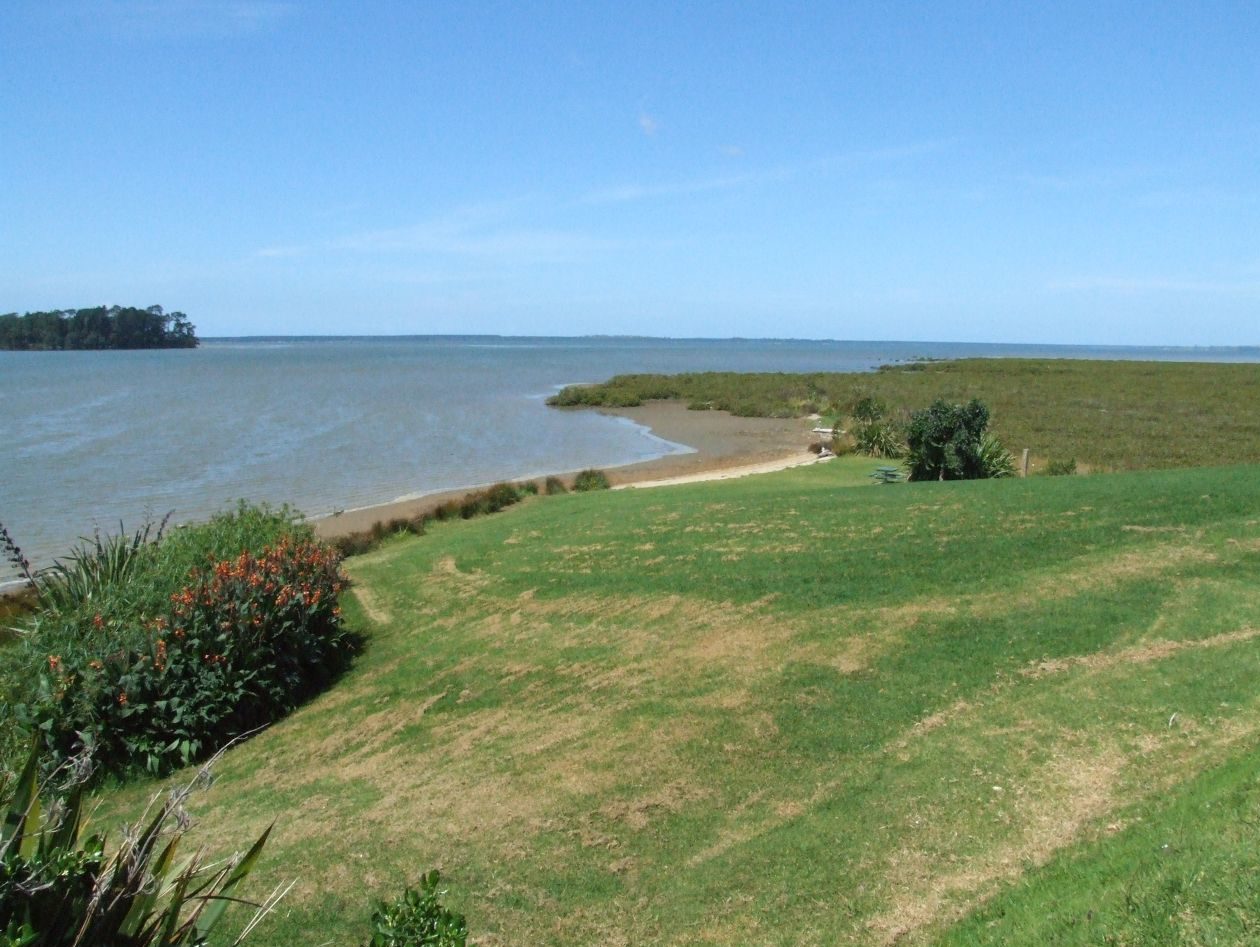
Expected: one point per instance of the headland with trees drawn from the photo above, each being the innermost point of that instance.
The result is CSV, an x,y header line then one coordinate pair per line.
x,y
101,327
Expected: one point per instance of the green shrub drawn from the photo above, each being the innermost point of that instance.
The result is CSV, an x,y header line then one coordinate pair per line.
x,y
590,480
879,438
59,888
491,500
866,408
417,919
241,645
97,568
554,486
1061,468
995,460
945,439
247,528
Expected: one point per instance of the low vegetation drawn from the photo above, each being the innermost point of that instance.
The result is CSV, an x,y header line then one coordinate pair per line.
x,y
150,655
1120,415
790,710
62,888
588,480
417,918
475,503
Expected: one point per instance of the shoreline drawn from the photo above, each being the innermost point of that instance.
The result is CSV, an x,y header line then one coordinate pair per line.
x,y
722,447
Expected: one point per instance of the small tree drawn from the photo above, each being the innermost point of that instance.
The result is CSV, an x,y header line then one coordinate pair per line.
x,y
945,441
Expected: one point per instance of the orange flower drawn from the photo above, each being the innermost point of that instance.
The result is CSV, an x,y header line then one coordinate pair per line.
x,y
54,662
122,699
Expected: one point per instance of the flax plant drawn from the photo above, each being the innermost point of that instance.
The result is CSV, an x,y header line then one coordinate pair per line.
x,y
59,888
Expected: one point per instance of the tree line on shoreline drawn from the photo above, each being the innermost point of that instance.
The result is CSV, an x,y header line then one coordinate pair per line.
x,y
101,327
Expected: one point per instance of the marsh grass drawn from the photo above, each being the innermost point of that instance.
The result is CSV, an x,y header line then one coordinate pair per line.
x,y
1110,415
783,710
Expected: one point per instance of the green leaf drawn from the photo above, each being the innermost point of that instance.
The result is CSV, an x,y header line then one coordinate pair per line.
x,y
210,917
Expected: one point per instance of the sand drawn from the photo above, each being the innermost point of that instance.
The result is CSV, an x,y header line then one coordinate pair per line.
x,y
725,447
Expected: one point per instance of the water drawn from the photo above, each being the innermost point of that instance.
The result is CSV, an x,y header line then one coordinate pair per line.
x,y
94,438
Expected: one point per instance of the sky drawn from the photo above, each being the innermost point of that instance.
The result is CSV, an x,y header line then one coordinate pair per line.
x,y
1063,172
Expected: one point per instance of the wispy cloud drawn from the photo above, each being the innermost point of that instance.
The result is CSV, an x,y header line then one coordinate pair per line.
x,y
518,245
167,18
488,234
648,125
1143,285
895,153
633,192
280,251
485,231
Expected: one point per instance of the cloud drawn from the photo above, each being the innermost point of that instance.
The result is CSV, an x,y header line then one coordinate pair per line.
x,y
875,156
516,245
731,151
1139,285
622,193
280,251
487,233
184,18
648,124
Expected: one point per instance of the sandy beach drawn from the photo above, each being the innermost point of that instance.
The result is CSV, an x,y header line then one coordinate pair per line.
x,y
723,446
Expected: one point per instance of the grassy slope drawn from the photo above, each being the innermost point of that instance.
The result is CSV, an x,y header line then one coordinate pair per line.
x,y
782,710
1119,415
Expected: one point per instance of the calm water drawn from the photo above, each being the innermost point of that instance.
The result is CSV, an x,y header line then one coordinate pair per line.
x,y
92,438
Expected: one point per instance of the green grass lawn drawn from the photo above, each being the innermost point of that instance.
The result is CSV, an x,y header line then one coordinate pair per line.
x,y
789,709
1120,415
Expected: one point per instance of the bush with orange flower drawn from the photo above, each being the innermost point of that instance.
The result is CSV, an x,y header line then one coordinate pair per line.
x,y
240,643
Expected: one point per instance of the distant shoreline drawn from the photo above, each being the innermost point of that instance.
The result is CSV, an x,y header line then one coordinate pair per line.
x,y
722,446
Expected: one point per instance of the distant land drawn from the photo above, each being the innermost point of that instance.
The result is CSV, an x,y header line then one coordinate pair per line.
x,y
112,327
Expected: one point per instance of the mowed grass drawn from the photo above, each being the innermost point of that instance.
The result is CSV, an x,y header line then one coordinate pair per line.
x,y
1108,415
789,710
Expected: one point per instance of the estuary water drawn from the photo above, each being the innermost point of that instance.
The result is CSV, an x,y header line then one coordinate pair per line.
x,y
92,439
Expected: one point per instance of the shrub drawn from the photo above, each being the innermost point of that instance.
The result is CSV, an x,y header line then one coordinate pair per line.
x,y
944,441
879,438
491,500
588,480
98,568
59,888
417,919
554,486
241,645
866,408
1061,468
995,460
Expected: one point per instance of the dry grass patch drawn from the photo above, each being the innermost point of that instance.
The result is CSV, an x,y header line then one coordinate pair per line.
x,y
1141,654
1052,809
371,605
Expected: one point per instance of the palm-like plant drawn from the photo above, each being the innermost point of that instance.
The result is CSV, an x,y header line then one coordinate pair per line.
x,y
101,563
995,460
59,889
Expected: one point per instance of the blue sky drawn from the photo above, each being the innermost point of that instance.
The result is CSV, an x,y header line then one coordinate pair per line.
x,y
1006,172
